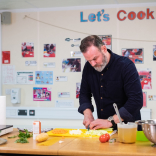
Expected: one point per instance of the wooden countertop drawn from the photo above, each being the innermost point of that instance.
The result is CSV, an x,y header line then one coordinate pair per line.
x,y
78,147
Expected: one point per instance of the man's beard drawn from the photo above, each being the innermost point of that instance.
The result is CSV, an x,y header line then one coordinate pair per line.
x,y
103,65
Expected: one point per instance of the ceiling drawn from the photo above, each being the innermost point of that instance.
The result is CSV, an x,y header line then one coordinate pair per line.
x,y
46,4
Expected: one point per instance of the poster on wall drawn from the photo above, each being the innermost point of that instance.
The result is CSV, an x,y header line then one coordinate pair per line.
x,y
49,50
5,57
135,55
71,65
152,97
145,78
27,49
154,52
41,94
8,74
144,99
107,40
78,90
24,77
44,77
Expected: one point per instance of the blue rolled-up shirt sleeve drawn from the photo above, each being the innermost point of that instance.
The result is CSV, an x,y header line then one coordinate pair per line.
x,y
133,91
85,93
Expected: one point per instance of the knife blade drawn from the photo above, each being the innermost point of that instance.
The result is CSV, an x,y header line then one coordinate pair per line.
x,y
88,128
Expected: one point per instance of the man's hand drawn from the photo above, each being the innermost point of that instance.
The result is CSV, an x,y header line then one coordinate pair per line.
x,y
100,123
88,117
116,119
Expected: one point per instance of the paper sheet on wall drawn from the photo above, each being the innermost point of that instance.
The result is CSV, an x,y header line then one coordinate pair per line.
x,y
152,97
8,74
63,94
61,78
30,63
64,103
24,77
49,64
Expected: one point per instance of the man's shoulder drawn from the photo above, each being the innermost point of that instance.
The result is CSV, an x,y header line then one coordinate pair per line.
x,y
87,67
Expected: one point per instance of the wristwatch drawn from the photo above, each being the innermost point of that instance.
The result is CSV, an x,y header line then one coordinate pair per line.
x,y
111,119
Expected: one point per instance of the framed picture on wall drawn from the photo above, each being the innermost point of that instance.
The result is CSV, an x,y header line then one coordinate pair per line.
x,y
27,49
71,65
44,77
49,50
135,55
41,94
145,78
107,40
144,99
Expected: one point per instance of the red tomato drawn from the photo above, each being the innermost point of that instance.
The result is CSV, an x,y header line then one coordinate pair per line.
x,y
103,138
107,136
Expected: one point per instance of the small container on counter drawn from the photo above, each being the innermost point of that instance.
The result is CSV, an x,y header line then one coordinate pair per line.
x,y
36,129
127,132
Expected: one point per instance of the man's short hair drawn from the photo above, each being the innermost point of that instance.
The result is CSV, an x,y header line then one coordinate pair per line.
x,y
89,41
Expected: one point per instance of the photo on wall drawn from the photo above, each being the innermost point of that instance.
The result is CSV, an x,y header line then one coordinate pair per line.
x,y
44,77
145,78
154,52
27,49
49,50
135,55
107,40
144,99
41,94
71,65
78,90
5,57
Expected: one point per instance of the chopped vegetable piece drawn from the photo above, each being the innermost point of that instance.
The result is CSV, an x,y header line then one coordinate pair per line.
x,y
96,132
59,131
75,132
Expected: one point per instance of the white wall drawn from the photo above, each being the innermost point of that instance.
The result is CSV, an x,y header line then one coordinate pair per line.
x,y
28,30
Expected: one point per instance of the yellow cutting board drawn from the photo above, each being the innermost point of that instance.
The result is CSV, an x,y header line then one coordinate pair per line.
x,y
109,130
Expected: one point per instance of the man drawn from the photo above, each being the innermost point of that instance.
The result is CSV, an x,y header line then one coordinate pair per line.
x,y
110,78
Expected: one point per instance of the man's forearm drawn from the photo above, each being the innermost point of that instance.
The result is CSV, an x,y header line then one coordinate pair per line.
x,y
87,112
